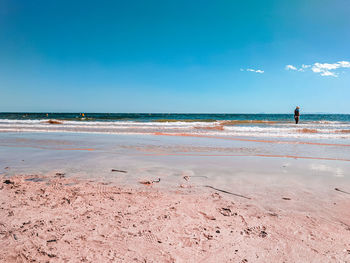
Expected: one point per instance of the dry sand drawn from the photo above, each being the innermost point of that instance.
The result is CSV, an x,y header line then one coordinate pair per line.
x,y
70,220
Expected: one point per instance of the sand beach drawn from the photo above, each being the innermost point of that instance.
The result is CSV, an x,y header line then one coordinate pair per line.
x,y
142,198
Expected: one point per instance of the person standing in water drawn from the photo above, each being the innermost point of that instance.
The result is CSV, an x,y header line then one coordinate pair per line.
x,y
296,115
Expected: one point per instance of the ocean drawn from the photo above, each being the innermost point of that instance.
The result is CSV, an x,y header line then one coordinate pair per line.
x,y
315,126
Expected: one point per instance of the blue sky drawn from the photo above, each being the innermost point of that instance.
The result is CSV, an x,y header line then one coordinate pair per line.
x,y
175,56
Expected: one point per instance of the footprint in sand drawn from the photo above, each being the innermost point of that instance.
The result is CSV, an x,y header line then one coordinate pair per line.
x,y
102,190
150,237
256,230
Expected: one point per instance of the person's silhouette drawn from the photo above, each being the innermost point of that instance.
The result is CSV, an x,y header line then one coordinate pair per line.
x,y
296,115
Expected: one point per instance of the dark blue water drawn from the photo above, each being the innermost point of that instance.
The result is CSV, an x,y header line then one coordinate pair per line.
x,y
145,117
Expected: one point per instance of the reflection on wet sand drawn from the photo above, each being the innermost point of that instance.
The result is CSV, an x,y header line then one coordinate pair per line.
x,y
250,140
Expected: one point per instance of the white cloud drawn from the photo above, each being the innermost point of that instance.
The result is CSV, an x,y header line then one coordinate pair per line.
x,y
328,73
290,67
254,70
304,67
344,64
324,69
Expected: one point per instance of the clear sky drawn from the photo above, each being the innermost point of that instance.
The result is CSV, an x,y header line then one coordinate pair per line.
x,y
175,56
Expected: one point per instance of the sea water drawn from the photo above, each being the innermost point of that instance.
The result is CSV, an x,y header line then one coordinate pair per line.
x,y
312,126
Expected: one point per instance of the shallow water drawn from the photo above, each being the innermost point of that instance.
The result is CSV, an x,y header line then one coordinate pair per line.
x,y
218,159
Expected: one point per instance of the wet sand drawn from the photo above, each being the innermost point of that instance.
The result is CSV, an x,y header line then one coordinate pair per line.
x,y
200,200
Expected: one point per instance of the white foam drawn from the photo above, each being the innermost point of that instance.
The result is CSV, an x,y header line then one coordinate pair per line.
x,y
323,131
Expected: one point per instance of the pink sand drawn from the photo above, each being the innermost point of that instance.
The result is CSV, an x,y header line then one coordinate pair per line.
x,y
70,220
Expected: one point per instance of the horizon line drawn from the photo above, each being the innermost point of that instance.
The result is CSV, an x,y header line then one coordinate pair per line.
x,y
85,112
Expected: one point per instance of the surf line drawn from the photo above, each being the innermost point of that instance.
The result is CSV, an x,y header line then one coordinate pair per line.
x,y
253,155
248,140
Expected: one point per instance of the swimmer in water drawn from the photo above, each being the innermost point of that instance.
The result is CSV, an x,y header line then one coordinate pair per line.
x,y
296,115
